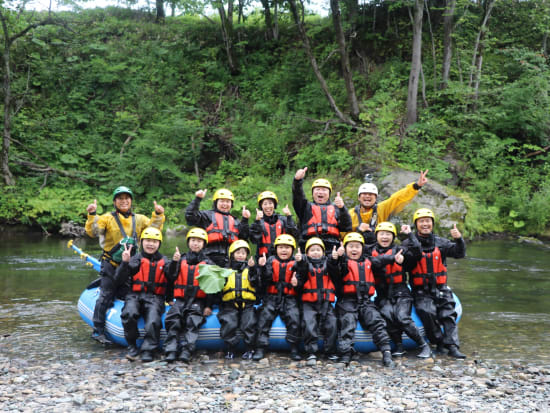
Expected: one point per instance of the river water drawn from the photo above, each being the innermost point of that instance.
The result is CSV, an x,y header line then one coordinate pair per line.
x,y
504,287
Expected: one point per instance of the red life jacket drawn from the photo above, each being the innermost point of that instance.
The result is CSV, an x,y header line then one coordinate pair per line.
x,y
282,274
393,272
269,233
323,221
187,284
430,268
359,275
150,277
222,229
319,286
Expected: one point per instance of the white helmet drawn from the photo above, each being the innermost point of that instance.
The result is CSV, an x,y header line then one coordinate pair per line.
x,y
367,188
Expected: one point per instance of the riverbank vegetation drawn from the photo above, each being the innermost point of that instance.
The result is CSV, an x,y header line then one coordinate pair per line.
x,y
98,98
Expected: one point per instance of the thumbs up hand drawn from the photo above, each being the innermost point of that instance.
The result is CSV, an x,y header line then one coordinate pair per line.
x,y
294,280
286,211
298,255
300,174
259,214
177,255
341,249
159,210
455,233
338,201
334,253
201,193
92,207
399,257
262,260
246,213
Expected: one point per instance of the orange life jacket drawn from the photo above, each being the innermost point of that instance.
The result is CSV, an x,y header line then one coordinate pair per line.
x,y
187,284
282,274
319,286
269,233
429,269
150,277
323,221
359,278
222,229
393,272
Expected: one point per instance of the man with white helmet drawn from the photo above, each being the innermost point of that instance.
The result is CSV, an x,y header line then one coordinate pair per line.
x,y
366,215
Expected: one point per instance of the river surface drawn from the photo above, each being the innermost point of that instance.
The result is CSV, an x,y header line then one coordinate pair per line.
x,y
504,287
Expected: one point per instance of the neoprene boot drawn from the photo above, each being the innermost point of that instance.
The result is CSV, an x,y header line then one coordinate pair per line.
x,y
425,351
258,354
247,355
132,353
441,349
387,361
295,353
171,357
345,358
100,337
455,352
185,356
146,356
399,350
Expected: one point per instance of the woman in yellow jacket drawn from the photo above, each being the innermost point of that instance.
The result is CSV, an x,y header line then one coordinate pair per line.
x,y
115,229
366,215
237,309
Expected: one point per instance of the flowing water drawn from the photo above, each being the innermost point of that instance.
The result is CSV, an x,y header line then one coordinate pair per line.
x,y
504,287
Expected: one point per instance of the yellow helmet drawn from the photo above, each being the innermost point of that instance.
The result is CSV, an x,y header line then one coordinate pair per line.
x,y
240,243
267,195
151,233
423,213
325,183
197,233
353,236
285,239
386,226
315,241
223,194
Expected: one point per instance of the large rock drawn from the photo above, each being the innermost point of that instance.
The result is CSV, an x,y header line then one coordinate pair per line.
x,y
449,209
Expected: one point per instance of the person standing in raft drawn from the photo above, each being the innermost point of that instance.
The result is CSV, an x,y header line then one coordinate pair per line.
x,y
237,309
191,305
115,229
366,215
279,277
146,271
222,227
269,225
393,297
355,287
320,218
433,298
318,296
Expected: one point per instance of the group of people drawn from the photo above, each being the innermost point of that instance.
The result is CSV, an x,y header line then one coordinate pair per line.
x,y
319,275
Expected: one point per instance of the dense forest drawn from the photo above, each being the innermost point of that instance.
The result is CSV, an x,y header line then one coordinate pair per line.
x,y
239,94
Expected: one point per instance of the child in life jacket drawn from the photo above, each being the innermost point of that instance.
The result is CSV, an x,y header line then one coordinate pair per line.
x,y
191,305
146,296
115,229
269,225
433,298
281,298
222,227
237,309
355,286
318,295
320,218
393,297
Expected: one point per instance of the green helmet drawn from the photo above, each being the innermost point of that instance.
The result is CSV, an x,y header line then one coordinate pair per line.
x,y
122,190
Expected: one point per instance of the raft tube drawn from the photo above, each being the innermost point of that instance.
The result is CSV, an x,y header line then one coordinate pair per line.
x,y
209,333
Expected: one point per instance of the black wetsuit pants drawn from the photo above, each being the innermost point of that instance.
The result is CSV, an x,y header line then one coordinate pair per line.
x,y
151,307
288,308
108,290
182,322
233,318
319,319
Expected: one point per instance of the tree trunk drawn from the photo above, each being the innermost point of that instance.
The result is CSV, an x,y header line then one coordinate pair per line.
x,y
475,70
6,173
275,20
416,63
545,45
448,18
227,34
433,50
344,59
240,16
268,19
160,10
314,65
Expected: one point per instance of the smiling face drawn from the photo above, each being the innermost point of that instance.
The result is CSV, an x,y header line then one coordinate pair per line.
x,y
384,238
224,205
150,246
321,195
367,200
424,226
123,202
240,254
354,250
268,207
195,244
284,252
315,252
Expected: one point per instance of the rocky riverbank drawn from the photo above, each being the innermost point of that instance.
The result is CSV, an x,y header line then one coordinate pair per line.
x,y
274,384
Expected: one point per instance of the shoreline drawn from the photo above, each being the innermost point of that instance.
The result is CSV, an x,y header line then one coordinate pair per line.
x,y
274,384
